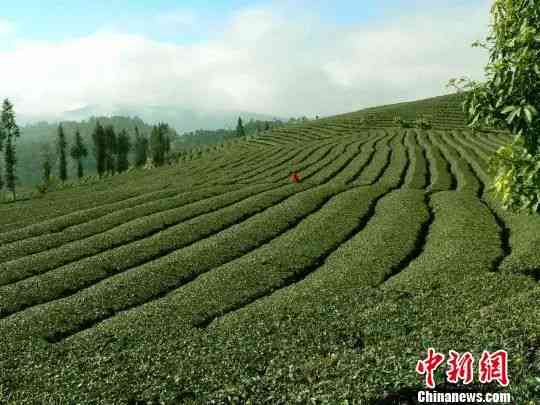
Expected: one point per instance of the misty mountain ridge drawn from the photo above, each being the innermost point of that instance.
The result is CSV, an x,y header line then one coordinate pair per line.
x,y
181,119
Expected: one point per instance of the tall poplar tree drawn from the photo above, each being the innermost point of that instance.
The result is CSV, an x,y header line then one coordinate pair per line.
x,y
8,132
166,140
110,149
156,146
240,128
123,148
11,161
160,143
141,148
98,137
47,160
78,153
62,154
46,166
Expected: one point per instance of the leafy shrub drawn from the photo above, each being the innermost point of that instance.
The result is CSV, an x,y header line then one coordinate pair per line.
x,y
42,188
422,123
53,184
402,123
510,100
517,178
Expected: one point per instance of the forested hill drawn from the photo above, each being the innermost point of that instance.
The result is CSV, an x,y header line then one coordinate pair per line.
x,y
40,138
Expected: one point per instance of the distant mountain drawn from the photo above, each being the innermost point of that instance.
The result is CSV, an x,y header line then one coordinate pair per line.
x,y
181,119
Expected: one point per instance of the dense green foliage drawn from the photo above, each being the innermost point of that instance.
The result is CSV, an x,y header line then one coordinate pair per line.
x,y
517,178
510,99
111,149
160,144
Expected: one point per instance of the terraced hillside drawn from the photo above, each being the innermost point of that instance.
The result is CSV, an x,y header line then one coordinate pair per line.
x,y
442,112
219,281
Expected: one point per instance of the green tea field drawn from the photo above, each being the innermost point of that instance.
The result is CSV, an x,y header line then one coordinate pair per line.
x,y
219,281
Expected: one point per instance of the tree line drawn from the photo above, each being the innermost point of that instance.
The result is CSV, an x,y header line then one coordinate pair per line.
x,y
216,136
111,150
256,127
40,138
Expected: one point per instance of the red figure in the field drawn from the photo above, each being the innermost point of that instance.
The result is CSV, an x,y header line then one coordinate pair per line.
x,y
461,367
494,367
294,177
429,365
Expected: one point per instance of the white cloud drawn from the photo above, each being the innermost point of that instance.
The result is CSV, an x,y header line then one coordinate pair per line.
x,y
261,61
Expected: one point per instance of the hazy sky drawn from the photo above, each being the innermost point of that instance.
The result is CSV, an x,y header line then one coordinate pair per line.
x,y
275,57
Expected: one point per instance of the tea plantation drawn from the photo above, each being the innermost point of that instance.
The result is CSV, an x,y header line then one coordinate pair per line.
x,y
218,281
